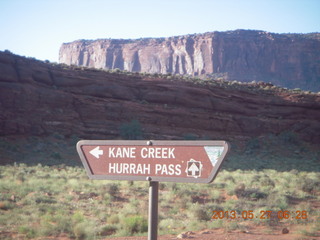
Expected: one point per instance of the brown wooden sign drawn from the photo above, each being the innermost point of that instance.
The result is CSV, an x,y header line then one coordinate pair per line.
x,y
161,161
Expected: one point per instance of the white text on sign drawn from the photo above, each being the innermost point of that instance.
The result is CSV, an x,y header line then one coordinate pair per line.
x,y
137,168
143,153
130,152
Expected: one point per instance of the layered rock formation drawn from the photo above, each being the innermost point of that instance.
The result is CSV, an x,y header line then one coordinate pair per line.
x,y
39,99
290,60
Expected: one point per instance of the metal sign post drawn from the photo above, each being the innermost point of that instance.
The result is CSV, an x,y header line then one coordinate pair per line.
x,y
153,210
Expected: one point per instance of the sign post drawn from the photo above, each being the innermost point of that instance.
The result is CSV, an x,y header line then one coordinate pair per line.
x,y
153,210
153,161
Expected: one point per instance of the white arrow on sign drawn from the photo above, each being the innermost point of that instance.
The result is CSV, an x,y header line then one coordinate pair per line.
x,y
96,152
193,169
194,166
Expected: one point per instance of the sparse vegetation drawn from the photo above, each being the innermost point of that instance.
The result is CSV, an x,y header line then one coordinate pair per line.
x,y
40,201
131,130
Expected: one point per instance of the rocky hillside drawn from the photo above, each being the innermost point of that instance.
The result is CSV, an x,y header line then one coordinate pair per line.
x,y
38,98
290,60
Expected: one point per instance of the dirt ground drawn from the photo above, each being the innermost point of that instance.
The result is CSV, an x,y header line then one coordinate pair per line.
x,y
251,233
257,233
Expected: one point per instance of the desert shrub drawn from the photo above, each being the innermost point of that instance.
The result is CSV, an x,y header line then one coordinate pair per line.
x,y
194,225
229,178
54,224
309,185
84,230
216,223
266,181
45,199
131,131
27,231
201,212
6,205
252,146
21,176
255,179
172,186
231,226
215,194
135,224
238,205
182,203
167,225
107,199
112,189
56,155
310,233
74,139
239,190
288,137
248,193
278,201
219,185
190,136
255,194
183,191
77,217
162,186
113,219
108,230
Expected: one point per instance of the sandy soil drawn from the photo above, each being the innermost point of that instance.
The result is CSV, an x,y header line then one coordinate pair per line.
x,y
257,233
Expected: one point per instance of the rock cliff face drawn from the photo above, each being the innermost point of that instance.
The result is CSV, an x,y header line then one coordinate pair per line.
x,y
290,60
39,99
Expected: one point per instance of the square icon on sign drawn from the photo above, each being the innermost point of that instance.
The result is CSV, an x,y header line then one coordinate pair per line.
x,y
194,168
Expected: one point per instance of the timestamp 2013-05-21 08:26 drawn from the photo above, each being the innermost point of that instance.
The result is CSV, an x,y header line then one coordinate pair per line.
x,y
264,214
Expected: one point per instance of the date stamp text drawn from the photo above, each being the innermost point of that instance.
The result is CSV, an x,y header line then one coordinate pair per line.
x,y
261,215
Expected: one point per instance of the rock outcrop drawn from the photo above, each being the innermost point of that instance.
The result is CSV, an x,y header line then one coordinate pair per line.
x,y
289,60
38,98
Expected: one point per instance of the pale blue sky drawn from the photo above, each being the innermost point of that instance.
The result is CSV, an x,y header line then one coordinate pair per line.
x,y
37,28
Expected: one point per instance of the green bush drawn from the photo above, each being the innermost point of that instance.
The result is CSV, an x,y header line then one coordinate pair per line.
x,y
28,231
252,146
56,155
277,201
84,230
6,205
167,225
289,137
113,219
309,185
131,131
108,230
54,224
135,224
202,215
201,212
190,136
77,217
112,189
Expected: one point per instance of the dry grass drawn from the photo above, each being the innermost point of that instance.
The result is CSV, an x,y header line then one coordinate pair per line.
x,y
52,201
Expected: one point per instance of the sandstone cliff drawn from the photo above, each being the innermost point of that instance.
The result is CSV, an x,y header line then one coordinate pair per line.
x,y
290,60
38,98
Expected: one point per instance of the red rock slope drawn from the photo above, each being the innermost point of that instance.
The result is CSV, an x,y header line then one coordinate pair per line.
x,y
38,98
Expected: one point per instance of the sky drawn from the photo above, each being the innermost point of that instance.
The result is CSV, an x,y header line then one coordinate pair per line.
x,y
37,28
